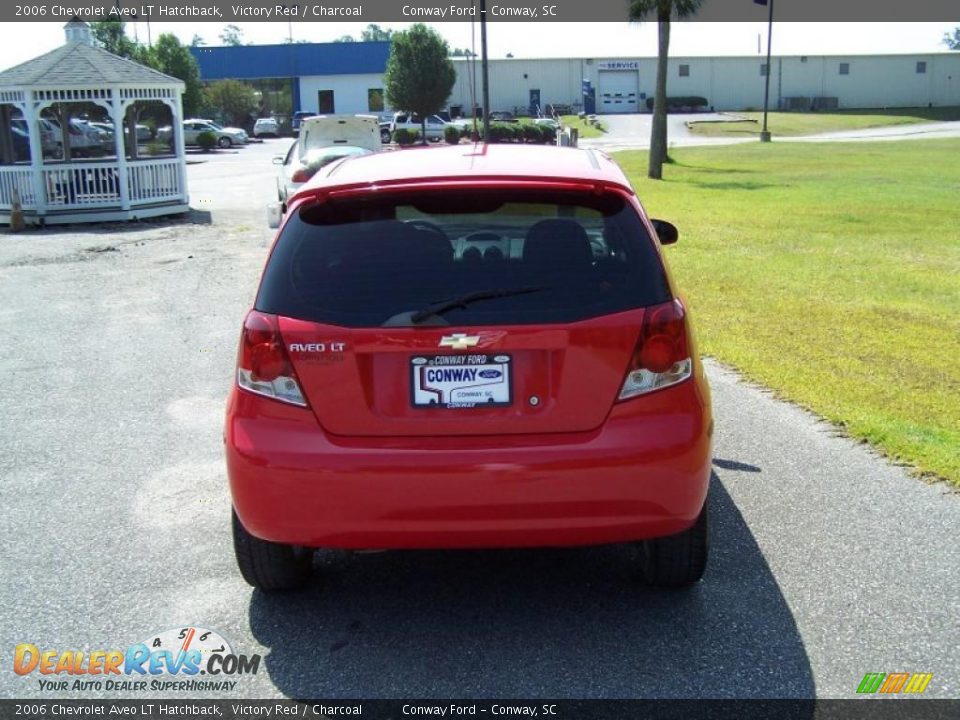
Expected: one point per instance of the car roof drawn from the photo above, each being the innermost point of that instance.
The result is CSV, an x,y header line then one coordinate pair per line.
x,y
533,163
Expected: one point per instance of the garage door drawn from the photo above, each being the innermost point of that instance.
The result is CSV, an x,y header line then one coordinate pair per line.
x,y
618,91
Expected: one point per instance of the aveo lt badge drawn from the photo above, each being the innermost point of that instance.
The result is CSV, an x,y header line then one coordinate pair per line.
x,y
459,341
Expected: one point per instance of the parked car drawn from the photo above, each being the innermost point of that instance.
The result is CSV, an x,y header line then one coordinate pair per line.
x,y
266,126
298,117
411,121
193,128
85,140
21,143
239,134
323,139
144,133
447,352
231,130
548,122
49,136
105,130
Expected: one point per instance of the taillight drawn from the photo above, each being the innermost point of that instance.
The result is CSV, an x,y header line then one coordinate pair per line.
x,y
662,355
263,366
302,174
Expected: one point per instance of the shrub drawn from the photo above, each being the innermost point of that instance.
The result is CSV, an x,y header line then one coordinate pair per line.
x,y
683,102
405,136
500,132
531,133
451,133
206,140
548,134
158,147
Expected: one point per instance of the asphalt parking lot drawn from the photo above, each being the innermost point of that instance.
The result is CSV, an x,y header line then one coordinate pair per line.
x,y
828,562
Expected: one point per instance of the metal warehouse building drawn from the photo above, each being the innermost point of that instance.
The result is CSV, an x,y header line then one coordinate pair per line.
x,y
348,78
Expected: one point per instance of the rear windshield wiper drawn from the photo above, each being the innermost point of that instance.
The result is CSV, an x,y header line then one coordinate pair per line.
x,y
464,300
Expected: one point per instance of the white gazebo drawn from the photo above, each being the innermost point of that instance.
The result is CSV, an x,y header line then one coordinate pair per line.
x,y
63,165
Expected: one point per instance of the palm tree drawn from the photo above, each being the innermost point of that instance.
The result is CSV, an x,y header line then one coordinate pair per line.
x,y
639,9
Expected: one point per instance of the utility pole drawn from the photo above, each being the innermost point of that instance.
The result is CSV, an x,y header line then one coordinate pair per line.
x,y
483,64
765,133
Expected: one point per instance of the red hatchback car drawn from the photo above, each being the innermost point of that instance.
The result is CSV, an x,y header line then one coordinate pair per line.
x,y
469,347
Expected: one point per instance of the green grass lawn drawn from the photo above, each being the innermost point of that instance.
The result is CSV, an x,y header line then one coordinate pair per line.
x,y
830,274
787,124
585,129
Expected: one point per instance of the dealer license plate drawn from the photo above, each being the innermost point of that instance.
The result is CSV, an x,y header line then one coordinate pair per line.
x,y
460,381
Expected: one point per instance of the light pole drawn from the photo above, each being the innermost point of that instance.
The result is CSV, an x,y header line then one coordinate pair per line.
x,y
483,65
765,133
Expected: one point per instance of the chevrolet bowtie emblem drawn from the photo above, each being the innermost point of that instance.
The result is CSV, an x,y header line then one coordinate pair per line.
x,y
459,341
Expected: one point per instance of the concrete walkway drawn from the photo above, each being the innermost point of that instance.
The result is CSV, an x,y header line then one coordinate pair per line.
x,y
632,132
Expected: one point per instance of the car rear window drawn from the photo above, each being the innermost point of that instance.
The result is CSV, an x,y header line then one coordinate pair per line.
x,y
374,262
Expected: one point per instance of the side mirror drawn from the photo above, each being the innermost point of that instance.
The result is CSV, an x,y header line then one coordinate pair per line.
x,y
274,216
278,160
666,232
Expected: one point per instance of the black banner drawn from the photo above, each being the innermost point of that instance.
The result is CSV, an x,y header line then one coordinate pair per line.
x,y
466,10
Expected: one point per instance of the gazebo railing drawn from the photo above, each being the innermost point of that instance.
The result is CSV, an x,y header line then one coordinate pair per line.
x,y
20,178
151,181
86,185
89,185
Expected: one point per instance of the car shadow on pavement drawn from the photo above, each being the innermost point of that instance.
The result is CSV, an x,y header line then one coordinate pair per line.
x,y
536,623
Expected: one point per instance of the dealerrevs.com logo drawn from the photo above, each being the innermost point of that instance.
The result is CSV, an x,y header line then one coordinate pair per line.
x,y
169,661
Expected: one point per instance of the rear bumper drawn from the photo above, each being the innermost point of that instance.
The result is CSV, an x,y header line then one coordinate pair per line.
x,y
643,474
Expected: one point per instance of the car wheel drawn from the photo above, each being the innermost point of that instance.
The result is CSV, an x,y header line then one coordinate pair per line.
x,y
385,136
677,560
268,565
225,142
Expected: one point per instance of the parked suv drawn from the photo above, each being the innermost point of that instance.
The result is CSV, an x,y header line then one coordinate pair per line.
x,y
460,353
411,121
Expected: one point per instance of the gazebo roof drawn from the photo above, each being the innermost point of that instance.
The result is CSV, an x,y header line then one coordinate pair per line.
x,y
78,64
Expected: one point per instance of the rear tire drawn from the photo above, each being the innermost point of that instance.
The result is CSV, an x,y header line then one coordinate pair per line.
x,y
385,137
269,565
677,560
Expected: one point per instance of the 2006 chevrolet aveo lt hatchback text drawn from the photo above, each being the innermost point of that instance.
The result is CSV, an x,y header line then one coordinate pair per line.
x,y
469,347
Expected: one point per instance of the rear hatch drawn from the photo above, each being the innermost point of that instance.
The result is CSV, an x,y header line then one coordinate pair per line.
x,y
322,131
482,313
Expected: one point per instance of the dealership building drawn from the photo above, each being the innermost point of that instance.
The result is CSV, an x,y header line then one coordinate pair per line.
x,y
348,78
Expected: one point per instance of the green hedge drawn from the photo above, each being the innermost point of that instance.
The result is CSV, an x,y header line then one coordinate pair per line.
x,y
206,140
403,136
451,133
502,132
